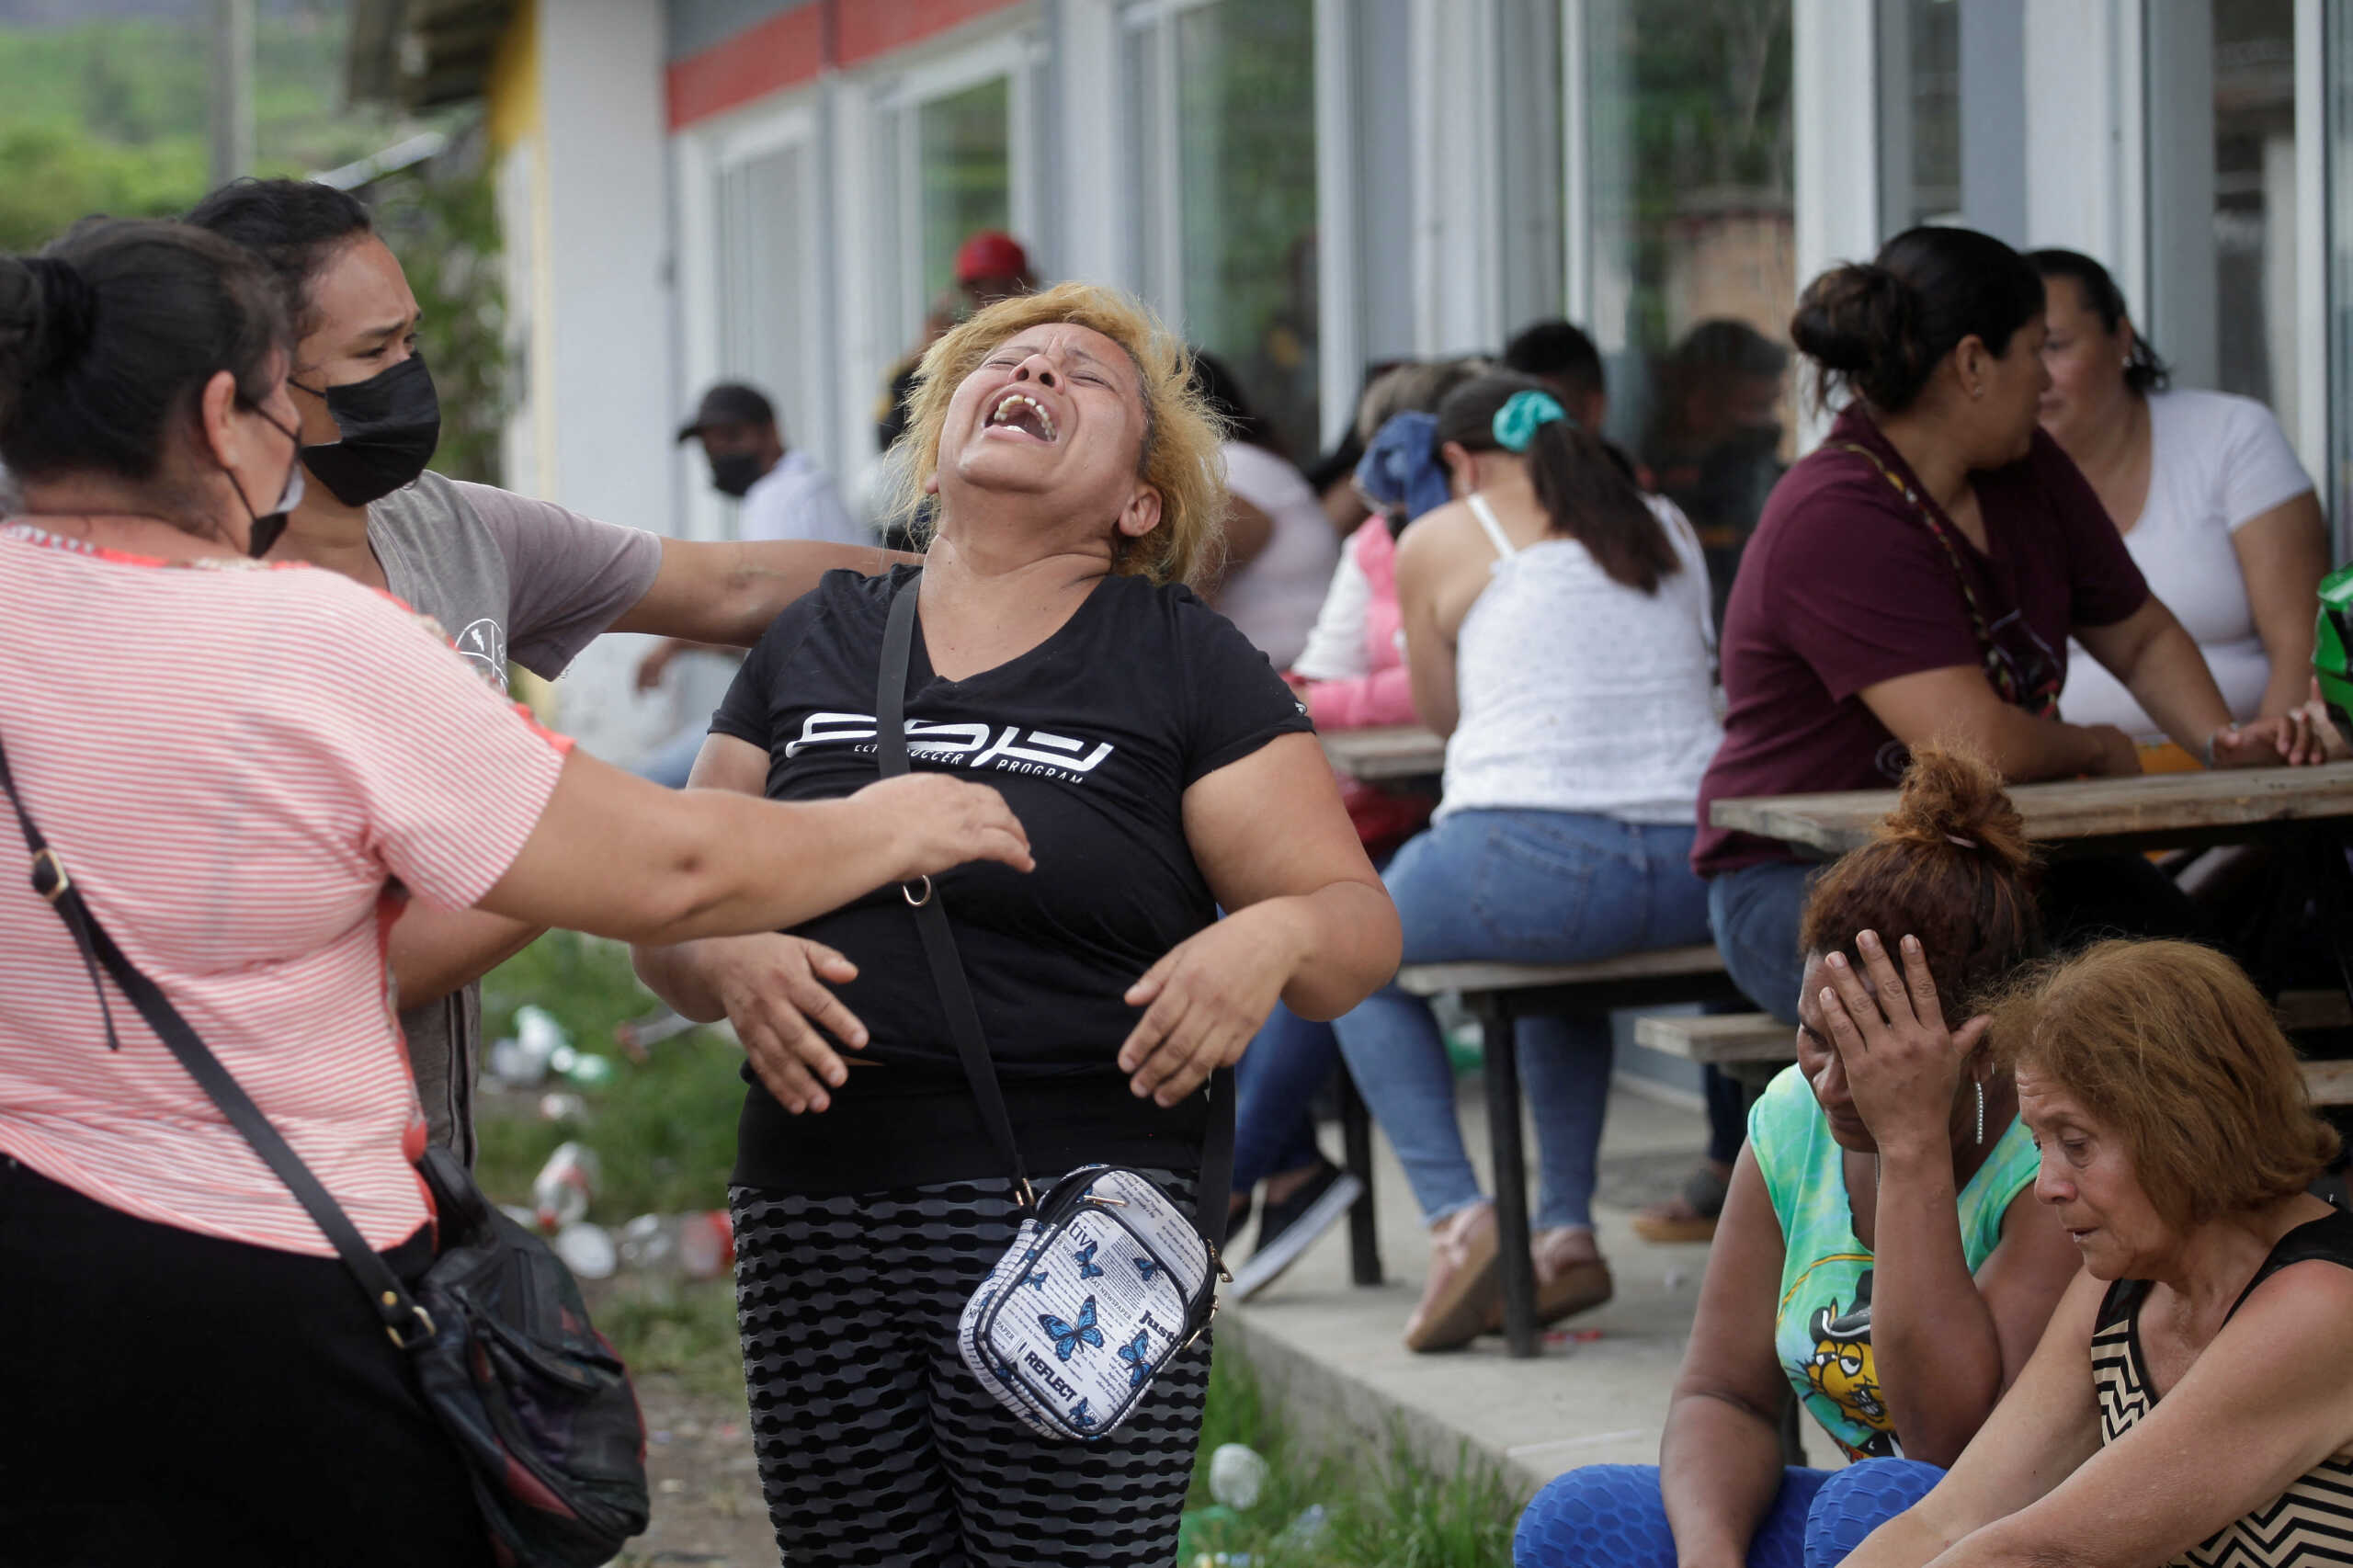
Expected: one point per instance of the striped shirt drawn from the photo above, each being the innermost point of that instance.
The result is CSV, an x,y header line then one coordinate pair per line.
x,y
243,815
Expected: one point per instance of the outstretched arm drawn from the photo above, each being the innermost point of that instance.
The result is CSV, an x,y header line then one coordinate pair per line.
x,y
728,591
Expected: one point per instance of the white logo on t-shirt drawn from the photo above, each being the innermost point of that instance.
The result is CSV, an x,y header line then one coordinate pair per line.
x,y
484,645
976,744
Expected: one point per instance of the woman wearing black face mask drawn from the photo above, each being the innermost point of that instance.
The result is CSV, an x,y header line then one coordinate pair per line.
x,y
508,577
241,827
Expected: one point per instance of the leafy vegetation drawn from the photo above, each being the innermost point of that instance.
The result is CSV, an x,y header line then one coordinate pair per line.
x,y
109,117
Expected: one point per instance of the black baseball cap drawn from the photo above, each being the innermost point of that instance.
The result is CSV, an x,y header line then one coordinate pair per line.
x,y
730,403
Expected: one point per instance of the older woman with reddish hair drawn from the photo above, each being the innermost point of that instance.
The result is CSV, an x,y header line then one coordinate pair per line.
x,y
1165,772
2192,1400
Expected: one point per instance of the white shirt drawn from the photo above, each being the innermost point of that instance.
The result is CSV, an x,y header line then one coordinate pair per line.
x,y
797,499
2216,462
1581,694
1273,598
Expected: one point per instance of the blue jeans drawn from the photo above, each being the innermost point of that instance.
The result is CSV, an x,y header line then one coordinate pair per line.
x,y
1756,911
1610,1515
1516,887
1274,1082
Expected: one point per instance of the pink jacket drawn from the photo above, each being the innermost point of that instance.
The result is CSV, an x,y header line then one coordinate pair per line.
x,y
1360,628
1383,694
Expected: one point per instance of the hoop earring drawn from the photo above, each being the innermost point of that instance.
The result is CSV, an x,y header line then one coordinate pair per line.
x,y
1979,1084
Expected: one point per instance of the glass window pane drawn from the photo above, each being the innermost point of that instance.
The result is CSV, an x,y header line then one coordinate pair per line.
x,y
2338,489
1919,113
963,151
1694,261
1246,128
2255,199
767,282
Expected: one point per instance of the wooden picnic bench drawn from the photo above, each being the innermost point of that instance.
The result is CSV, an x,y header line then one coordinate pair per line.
x,y
2153,810
1739,1041
1387,754
1498,995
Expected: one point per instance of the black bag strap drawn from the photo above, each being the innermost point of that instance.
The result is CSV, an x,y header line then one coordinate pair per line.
x,y
955,988
938,941
403,1318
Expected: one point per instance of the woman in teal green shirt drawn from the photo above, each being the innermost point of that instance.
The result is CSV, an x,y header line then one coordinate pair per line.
x,y
1880,1257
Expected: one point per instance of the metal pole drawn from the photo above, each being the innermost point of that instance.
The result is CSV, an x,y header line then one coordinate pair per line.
x,y
232,118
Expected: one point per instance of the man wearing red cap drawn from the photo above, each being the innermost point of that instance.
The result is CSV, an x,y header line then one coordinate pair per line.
x,y
990,266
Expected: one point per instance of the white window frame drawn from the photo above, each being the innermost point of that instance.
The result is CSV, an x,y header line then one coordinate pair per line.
x,y
701,157
898,98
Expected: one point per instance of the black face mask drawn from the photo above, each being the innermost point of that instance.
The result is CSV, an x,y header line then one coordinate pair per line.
x,y
390,425
734,473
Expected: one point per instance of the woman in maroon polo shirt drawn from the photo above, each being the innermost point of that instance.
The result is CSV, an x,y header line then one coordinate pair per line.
x,y
1918,576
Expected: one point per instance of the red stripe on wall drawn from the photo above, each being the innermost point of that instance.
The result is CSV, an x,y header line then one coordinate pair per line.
x,y
786,50
868,27
791,47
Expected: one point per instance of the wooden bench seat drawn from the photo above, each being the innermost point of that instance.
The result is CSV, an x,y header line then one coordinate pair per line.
x,y
1498,995
2330,1083
1663,963
1719,1038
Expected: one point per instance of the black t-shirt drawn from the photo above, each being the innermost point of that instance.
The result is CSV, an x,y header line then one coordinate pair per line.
x,y
1092,736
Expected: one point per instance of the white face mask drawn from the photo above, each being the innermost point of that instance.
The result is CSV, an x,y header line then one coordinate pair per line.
x,y
268,526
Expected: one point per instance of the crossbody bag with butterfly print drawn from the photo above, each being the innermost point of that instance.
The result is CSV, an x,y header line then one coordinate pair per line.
x,y
1107,1278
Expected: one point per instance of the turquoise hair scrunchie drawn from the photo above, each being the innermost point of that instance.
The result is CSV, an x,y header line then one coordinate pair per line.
x,y
1517,421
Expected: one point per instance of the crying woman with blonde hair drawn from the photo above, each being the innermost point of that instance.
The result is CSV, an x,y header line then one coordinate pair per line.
x,y
1163,773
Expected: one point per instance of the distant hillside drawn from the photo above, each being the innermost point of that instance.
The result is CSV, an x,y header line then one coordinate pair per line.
x,y
109,116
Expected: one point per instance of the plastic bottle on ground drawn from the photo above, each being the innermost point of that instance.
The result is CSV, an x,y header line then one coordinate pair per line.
x,y
560,1194
588,1250
1237,1476
700,1246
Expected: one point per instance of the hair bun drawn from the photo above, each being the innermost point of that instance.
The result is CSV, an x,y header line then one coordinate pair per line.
x,y
1863,323
1953,799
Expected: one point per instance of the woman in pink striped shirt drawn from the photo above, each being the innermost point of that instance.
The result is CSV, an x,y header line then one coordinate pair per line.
x,y
188,1371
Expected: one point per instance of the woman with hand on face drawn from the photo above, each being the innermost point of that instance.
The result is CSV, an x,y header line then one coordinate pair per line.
x,y
246,830
506,576
1165,772
2214,508
2192,1401
1917,578
1881,1254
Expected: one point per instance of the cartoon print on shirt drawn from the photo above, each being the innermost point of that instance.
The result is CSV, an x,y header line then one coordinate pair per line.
x,y
1843,1370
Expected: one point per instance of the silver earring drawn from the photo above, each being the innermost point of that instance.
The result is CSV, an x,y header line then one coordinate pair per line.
x,y
1981,1111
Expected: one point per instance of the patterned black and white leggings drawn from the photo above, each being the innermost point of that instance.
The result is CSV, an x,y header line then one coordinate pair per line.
x,y
877,1445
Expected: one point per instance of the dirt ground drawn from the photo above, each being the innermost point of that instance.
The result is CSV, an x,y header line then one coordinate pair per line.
x,y
707,1506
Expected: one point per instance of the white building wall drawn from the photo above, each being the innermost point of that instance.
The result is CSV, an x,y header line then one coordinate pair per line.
x,y
603,393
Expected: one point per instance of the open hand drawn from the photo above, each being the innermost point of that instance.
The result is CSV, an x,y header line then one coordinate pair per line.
x,y
939,822
2267,742
1204,1003
773,987
1903,1065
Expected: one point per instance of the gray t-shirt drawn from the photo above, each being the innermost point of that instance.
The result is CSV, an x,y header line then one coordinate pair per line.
x,y
509,578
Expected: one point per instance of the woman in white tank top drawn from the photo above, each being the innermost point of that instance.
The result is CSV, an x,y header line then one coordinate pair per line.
x,y
1557,630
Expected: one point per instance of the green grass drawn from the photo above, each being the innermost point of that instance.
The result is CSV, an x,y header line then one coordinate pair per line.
x,y
1386,1508
664,1131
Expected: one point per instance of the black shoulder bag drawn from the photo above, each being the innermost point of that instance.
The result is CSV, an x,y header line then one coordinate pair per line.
x,y
536,1400
1107,1278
